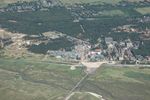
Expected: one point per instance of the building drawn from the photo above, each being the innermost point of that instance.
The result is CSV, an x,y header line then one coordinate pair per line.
x,y
108,40
5,39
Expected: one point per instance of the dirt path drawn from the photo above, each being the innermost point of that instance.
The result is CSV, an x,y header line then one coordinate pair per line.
x,y
91,67
91,93
76,86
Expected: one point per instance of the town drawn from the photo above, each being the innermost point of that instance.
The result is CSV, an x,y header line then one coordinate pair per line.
x,y
106,48
121,42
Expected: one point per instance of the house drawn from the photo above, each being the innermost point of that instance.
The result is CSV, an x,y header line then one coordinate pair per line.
x,y
122,44
108,40
5,39
129,43
148,58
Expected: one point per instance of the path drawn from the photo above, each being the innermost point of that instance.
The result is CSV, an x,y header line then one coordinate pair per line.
x,y
91,67
77,85
91,93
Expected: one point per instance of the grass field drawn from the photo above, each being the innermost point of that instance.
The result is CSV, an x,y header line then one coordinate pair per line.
x,y
83,96
112,13
144,10
22,79
115,83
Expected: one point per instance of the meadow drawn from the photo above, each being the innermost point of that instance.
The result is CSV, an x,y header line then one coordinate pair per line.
x,y
22,79
118,83
143,10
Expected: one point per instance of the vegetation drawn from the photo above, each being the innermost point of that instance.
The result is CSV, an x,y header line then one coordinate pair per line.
x,y
33,79
83,96
143,49
56,19
90,1
56,44
113,13
4,3
115,83
22,79
144,10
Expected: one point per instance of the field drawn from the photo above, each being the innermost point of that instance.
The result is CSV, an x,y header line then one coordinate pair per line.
x,y
22,79
115,83
144,10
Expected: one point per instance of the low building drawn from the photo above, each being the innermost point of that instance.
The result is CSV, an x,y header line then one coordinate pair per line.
x,y
5,39
108,40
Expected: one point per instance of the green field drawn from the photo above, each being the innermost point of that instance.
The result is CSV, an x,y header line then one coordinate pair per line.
x,y
83,96
115,83
112,13
22,79
144,10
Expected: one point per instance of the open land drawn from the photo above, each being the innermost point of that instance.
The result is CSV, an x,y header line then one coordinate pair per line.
x,y
21,79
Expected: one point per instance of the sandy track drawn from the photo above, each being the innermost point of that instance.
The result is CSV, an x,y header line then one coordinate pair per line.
x,y
92,66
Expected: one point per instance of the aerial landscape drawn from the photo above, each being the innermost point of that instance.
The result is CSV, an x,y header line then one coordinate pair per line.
x,y
74,49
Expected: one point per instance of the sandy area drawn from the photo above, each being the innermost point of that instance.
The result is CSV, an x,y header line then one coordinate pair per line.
x,y
92,66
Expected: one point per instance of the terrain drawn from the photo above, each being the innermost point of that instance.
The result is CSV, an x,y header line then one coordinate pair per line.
x,y
22,79
42,44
